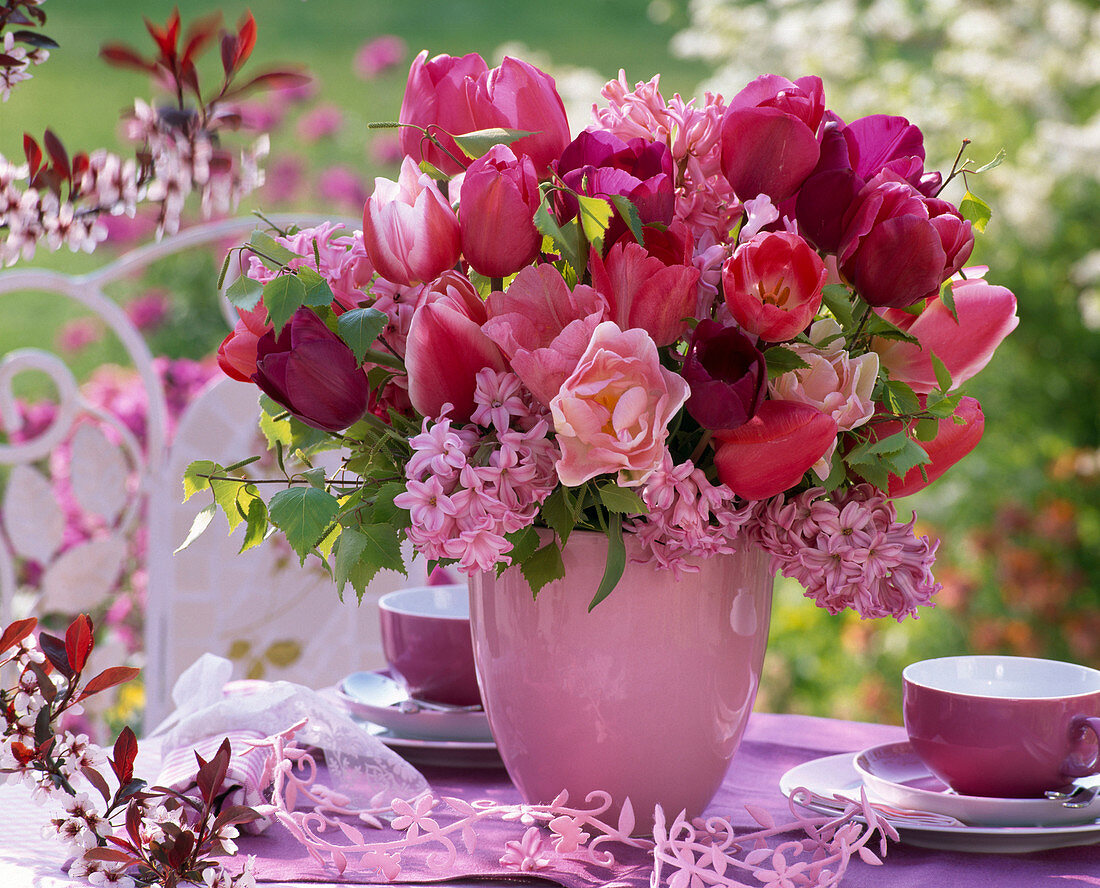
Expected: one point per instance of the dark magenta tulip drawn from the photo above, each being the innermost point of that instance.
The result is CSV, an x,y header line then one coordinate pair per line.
x,y
311,372
498,200
727,375
772,451
769,136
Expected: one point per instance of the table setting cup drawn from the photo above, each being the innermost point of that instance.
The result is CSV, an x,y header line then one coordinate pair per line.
x,y
1003,727
427,644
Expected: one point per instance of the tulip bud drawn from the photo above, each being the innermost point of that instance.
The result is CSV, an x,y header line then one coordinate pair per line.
x,y
311,372
499,198
410,232
773,285
727,375
237,353
773,450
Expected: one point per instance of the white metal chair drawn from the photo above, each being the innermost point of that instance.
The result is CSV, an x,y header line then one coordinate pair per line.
x,y
273,618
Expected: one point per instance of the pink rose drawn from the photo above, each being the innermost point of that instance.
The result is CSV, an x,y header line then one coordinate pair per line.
x,y
612,413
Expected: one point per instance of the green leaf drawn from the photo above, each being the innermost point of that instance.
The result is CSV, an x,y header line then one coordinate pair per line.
x,y
941,408
475,144
283,296
244,293
303,514
318,292
566,241
201,522
558,515
782,360
630,215
901,461
622,500
838,299
943,375
225,495
879,326
995,162
947,297
595,215
385,512
616,563
361,553
349,549
838,472
900,398
195,477
542,567
975,210
926,429
255,524
434,171
315,477
524,543
359,328
275,255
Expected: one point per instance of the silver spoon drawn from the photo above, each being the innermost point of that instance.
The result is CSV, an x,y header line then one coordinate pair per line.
x,y
381,690
1074,796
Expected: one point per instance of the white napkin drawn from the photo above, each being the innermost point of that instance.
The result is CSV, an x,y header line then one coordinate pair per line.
x,y
360,766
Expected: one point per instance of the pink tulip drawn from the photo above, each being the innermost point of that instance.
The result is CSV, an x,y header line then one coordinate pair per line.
x,y
773,450
444,352
612,412
237,353
544,327
459,95
987,314
454,288
769,136
498,200
952,442
410,232
644,290
773,285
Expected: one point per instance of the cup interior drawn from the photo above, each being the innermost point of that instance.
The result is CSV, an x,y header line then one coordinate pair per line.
x,y
451,602
1016,678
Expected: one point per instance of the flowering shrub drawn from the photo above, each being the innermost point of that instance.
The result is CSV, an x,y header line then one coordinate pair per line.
x,y
687,323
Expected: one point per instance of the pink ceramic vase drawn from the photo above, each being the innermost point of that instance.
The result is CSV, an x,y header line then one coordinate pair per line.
x,y
644,697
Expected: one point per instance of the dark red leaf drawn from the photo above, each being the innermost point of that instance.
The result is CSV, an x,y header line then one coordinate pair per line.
x,y
110,855
59,157
33,153
271,80
7,61
199,34
96,779
229,53
108,678
79,640
123,57
211,774
133,823
23,754
125,751
46,687
35,39
54,649
235,814
190,78
181,849
246,35
80,167
16,632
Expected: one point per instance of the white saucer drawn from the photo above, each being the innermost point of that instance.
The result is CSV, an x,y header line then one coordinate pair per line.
x,y
465,726
836,774
440,753
895,774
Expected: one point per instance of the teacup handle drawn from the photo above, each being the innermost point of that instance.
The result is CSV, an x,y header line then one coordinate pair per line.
x,y
1075,769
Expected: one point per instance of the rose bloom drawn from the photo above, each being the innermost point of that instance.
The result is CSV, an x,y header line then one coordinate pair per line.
x,y
835,383
612,413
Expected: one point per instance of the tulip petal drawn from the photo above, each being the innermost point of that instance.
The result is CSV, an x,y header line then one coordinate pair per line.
x,y
953,441
773,450
899,261
765,151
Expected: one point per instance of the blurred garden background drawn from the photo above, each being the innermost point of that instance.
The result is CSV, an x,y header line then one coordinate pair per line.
x,y
1019,519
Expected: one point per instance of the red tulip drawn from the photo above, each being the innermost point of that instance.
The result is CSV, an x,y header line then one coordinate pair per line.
x,y
952,442
727,375
410,232
237,353
444,352
498,200
311,372
769,136
644,291
773,285
987,314
773,450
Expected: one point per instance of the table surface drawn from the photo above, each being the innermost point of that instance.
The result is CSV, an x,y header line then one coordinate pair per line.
x,y
772,745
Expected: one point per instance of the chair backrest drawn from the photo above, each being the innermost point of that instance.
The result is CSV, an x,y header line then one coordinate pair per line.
x,y
88,504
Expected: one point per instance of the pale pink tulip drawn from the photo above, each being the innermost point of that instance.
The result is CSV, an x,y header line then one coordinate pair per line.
x,y
987,314
643,291
772,451
409,230
612,413
544,327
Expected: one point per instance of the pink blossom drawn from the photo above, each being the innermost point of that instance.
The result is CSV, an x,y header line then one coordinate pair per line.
x,y
341,186
79,334
149,311
284,181
378,55
612,413
319,123
429,507
385,149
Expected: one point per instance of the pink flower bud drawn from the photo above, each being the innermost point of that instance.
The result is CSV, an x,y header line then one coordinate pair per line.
x,y
499,197
773,285
237,353
410,232
773,450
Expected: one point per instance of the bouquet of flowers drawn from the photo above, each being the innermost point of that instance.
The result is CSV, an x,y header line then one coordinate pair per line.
x,y
708,324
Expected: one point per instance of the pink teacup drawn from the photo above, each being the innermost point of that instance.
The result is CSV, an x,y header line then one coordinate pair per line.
x,y
1004,727
426,640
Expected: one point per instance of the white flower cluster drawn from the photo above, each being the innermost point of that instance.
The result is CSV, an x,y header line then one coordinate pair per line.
x,y
1018,74
23,59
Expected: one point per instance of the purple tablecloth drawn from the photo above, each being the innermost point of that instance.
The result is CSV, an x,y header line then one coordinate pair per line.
x,y
772,745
